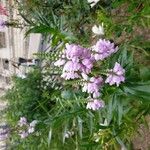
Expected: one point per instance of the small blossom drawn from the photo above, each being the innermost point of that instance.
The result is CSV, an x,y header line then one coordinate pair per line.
x,y
88,63
116,75
73,51
22,121
93,86
4,133
23,134
93,2
31,129
70,75
71,66
103,49
3,136
98,30
26,128
95,104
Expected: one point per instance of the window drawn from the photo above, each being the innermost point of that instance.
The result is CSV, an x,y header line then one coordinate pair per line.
x,y
5,64
2,40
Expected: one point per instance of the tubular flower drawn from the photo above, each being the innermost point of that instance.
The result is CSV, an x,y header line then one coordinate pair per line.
x,y
76,60
103,49
26,128
95,104
93,86
23,134
3,133
22,121
116,75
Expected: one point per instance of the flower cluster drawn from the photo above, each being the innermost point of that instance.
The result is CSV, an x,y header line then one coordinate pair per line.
x,y
115,75
26,128
4,132
103,49
95,104
76,60
93,86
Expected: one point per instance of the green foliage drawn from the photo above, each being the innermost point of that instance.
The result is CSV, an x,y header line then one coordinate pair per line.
x,y
60,111
60,107
64,20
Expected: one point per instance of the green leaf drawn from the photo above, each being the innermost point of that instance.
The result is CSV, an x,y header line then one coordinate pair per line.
x,y
49,137
80,128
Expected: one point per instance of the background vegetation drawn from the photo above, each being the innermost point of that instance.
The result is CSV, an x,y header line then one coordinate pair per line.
x,y
58,106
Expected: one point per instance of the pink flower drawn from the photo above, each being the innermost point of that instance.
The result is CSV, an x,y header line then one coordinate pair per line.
x,y
116,75
93,86
23,134
88,63
73,51
86,54
71,66
78,60
3,136
28,128
95,104
103,49
22,121
70,75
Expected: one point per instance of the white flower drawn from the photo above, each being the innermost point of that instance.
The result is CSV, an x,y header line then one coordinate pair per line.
x,y
22,121
33,123
93,2
98,30
84,76
23,134
31,130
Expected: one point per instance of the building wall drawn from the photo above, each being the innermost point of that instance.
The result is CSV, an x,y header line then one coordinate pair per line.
x,y
16,44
